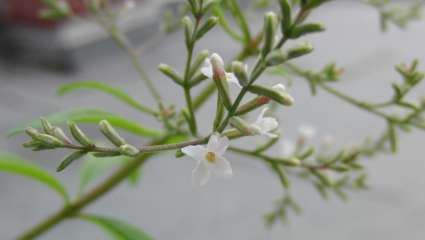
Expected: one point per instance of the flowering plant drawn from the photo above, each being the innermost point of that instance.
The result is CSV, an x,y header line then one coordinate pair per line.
x,y
328,171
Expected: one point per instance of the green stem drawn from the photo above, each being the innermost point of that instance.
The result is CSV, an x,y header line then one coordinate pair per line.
x,y
75,207
123,42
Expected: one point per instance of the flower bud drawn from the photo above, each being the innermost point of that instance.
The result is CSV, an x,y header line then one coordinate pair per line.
x,y
200,59
241,125
79,136
49,140
275,94
292,162
270,21
300,50
129,150
252,105
220,80
188,29
32,132
305,29
47,126
169,72
286,15
241,72
209,24
110,133
58,133
276,57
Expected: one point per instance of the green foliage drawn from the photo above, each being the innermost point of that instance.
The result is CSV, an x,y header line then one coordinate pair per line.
x,y
113,91
117,229
16,165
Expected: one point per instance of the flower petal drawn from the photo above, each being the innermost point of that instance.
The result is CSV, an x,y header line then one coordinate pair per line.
x,y
261,116
200,174
231,78
218,144
207,69
196,152
221,167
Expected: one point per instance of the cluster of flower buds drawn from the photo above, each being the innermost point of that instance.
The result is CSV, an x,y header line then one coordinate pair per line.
x,y
53,137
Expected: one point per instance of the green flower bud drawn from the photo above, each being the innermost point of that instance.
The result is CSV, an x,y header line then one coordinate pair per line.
x,y
188,29
129,150
209,24
241,72
300,50
200,59
292,162
79,136
32,132
276,95
169,72
47,126
305,29
49,140
270,21
286,15
252,105
58,133
276,57
110,133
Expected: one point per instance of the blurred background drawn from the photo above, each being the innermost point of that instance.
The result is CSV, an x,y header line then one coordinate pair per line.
x,y
38,56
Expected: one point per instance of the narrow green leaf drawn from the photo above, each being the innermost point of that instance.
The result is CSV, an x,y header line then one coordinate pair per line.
x,y
70,159
14,164
119,94
118,230
93,116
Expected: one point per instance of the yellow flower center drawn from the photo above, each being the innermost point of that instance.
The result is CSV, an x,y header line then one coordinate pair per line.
x,y
211,157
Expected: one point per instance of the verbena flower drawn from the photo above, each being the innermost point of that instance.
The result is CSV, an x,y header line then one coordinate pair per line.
x,y
265,125
208,71
209,160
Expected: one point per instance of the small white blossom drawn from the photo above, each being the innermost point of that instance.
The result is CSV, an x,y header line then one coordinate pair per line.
x,y
209,160
307,132
265,125
280,87
207,70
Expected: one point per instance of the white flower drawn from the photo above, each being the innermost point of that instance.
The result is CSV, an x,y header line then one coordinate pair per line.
x,y
207,70
264,125
210,159
306,132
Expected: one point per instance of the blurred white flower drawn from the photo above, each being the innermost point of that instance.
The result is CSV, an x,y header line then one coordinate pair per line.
x,y
209,159
307,132
328,140
208,71
129,5
265,125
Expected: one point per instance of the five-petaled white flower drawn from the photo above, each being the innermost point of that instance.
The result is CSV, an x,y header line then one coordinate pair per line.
x,y
209,160
265,125
208,70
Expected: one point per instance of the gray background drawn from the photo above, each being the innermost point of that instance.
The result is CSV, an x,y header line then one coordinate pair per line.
x,y
167,206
